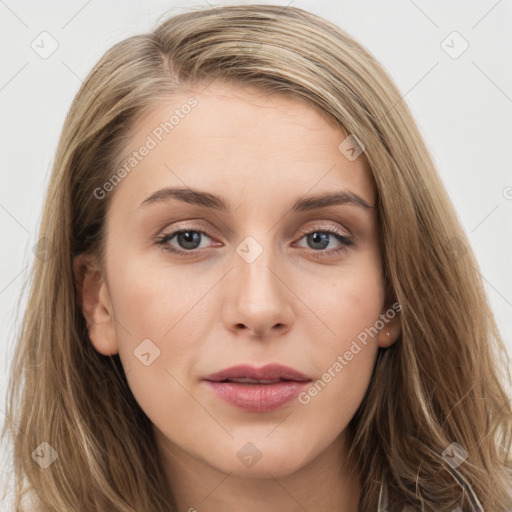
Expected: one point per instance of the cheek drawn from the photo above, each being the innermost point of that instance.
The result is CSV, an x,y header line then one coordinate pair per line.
x,y
348,300
154,299
344,364
159,340
349,306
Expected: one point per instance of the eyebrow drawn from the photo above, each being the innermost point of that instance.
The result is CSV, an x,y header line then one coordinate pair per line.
x,y
197,197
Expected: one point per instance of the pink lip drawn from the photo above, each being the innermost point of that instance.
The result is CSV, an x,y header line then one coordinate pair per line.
x,y
267,372
258,397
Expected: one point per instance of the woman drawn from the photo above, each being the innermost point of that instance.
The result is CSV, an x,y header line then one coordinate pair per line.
x,y
257,295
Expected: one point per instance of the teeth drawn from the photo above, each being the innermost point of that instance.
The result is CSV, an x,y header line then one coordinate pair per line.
x,y
253,381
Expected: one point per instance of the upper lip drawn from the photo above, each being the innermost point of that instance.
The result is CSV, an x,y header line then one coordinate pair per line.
x,y
268,372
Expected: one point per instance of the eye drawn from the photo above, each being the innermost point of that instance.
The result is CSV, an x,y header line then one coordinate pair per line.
x,y
320,239
187,239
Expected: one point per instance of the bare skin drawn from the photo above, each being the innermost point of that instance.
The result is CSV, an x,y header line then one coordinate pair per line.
x,y
299,303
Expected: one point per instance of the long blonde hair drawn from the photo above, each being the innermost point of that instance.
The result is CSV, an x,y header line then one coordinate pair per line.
x,y
442,382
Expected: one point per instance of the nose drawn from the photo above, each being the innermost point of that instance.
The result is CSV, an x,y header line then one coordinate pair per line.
x,y
257,299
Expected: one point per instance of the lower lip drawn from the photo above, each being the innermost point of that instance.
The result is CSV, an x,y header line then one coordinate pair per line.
x,y
258,397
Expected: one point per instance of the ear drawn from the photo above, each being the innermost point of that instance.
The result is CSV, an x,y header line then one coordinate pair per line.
x,y
392,326
94,300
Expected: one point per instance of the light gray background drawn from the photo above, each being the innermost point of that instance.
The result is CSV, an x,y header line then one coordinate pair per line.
x,y
463,106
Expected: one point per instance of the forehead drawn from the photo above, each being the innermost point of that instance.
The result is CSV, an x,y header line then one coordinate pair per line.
x,y
238,140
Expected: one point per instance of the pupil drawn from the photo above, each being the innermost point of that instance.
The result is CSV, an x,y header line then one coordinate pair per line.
x,y
188,238
321,238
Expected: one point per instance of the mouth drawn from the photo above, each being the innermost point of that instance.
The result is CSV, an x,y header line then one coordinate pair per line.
x,y
257,390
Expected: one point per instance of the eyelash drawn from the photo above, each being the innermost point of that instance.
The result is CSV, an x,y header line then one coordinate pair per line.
x,y
343,239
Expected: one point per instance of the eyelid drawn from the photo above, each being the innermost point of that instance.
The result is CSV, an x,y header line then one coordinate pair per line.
x,y
188,226
327,227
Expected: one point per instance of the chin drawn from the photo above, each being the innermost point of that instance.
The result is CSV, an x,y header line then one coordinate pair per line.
x,y
261,461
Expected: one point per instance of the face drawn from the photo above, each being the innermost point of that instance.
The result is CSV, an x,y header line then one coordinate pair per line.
x,y
252,273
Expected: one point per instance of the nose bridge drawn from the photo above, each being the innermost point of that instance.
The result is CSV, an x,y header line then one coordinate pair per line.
x,y
253,266
258,298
